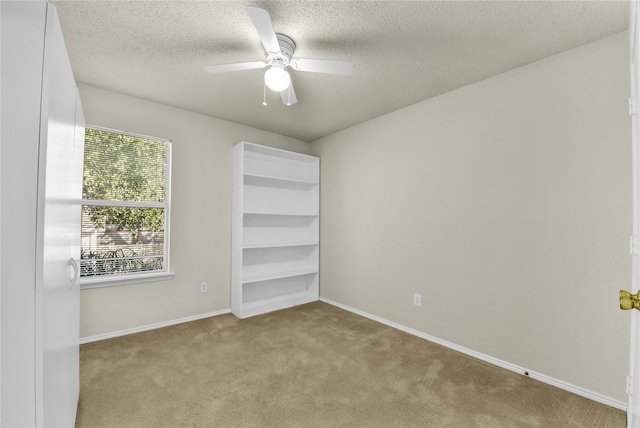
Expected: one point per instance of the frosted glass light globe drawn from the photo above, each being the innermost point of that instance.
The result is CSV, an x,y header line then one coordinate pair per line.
x,y
277,79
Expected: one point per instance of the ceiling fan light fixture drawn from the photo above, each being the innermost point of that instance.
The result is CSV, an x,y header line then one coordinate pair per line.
x,y
277,78
279,50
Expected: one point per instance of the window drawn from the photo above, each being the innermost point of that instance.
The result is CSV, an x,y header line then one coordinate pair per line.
x,y
125,207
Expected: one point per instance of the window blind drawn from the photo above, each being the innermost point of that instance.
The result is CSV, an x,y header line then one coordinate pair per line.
x,y
125,203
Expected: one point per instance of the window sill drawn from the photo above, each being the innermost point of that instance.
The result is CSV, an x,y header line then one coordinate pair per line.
x,y
111,280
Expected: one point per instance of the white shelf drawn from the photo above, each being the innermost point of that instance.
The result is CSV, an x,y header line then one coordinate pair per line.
x,y
262,213
279,245
291,199
283,214
264,180
275,243
277,212
271,230
292,290
278,275
278,155
275,303
281,164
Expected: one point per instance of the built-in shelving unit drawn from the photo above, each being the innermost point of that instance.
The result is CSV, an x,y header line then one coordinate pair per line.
x,y
275,243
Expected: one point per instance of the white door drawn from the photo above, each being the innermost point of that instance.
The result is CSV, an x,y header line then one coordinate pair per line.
x,y
22,23
633,409
58,237
42,150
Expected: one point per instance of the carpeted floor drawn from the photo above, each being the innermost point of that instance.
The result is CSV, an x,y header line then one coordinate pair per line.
x,y
310,366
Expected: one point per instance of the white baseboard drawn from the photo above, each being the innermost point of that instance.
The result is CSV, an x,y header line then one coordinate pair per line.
x,y
127,331
489,359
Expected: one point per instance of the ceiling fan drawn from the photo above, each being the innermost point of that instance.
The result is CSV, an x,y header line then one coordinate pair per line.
x,y
279,50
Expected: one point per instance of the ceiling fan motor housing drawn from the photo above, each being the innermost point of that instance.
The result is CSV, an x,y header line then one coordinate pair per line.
x,y
287,46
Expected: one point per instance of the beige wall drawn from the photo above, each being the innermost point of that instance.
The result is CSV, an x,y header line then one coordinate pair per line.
x,y
506,204
200,245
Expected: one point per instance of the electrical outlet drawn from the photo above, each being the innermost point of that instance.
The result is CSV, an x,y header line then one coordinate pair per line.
x,y
417,299
204,287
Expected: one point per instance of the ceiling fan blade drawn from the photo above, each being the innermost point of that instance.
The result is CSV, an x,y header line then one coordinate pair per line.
x,y
289,96
262,21
343,68
238,66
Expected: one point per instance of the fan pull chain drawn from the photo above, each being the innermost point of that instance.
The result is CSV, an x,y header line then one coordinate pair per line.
x,y
264,95
289,94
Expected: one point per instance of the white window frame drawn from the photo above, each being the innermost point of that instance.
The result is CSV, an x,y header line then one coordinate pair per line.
x,y
136,277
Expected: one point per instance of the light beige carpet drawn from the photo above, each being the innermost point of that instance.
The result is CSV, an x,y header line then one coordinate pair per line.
x,y
310,366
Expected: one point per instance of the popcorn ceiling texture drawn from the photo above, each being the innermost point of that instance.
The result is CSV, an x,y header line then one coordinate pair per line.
x,y
403,52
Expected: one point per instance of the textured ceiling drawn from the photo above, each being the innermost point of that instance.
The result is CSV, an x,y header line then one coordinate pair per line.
x,y
402,52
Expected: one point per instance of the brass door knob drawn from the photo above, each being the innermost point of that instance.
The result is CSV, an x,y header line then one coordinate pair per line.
x,y
629,301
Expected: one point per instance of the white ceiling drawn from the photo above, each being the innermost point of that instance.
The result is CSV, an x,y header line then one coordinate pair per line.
x,y
402,52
